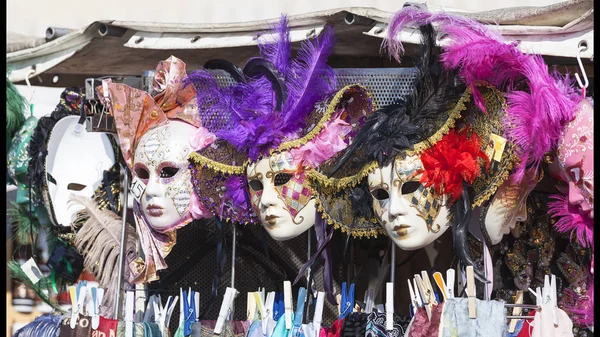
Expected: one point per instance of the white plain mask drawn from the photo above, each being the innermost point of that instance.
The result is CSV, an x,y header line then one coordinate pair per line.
x,y
271,194
508,206
404,223
74,166
160,161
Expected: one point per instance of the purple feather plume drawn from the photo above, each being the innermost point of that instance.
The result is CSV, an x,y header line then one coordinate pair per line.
x,y
310,80
245,114
235,195
278,49
535,116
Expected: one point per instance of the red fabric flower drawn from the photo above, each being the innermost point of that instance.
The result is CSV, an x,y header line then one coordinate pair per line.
x,y
452,160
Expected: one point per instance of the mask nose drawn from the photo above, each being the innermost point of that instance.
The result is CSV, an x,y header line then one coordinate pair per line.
x,y
153,188
398,205
268,197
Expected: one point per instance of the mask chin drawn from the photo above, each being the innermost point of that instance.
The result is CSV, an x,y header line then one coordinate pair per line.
x,y
75,165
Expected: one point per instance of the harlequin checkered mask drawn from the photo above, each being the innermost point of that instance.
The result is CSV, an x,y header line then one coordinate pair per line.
x,y
281,195
413,215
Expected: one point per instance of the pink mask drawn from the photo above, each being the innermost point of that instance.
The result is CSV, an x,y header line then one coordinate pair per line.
x,y
574,165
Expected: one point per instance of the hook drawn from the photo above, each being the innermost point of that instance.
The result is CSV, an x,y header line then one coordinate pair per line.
x,y
582,47
30,87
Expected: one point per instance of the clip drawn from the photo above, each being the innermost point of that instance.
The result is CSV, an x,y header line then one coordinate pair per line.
x,y
450,278
287,302
439,280
516,311
471,292
389,306
424,296
230,294
318,316
129,308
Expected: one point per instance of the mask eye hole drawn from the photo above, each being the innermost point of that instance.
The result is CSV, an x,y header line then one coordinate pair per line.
x,y
75,187
168,172
410,187
256,185
142,173
380,194
281,178
51,178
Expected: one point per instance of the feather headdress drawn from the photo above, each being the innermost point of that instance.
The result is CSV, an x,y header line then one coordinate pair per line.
x,y
277,104
99,241
538,106
422,123
255,116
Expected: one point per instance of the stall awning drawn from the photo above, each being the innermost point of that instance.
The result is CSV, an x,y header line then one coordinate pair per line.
x,y
119,48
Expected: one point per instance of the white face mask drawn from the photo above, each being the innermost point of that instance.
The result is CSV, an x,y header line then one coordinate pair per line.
x,y
282,197
74,166
412,215
508,206
160,162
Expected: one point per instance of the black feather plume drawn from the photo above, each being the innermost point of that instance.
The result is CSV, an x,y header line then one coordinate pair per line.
x,y
412,118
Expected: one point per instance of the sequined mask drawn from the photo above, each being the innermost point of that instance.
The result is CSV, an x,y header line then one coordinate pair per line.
x,y
160,162
574,165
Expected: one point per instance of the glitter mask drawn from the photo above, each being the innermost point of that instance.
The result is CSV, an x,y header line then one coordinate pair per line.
x,y
289,182
574,165
160,162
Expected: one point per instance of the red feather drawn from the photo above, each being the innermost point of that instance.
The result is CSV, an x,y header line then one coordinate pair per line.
x,y
451,161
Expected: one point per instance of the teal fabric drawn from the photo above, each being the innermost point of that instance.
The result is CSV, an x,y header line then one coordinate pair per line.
x,y
280,330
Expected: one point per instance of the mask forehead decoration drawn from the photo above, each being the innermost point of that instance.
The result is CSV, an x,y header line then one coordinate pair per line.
x,y
154,134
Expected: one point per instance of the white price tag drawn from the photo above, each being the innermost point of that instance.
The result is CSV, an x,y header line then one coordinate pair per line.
x,y
137,188
32,271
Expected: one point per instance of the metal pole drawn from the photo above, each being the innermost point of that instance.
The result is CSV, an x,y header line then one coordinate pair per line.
x,y
393,263
123,241
233,268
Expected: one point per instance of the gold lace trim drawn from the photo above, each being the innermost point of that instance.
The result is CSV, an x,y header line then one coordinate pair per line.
x,y
453,115
321,124
332,185
363,233
216,166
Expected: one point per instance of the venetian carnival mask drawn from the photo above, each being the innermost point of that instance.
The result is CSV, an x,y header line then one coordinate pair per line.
x,y
160,162
573,166
75,165
281,195
413,215
507,207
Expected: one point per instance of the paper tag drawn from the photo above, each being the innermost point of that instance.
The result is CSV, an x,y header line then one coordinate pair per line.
x,y
495,147
137,188
32,271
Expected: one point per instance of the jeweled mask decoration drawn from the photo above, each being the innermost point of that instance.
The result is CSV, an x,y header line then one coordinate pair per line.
x,y
154,135
75,165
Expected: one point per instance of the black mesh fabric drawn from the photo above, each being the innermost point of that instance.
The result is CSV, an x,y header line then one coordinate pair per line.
x,y
260,262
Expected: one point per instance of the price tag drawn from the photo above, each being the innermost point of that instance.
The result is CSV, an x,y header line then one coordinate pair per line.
x,y
495,147
137,188
32,271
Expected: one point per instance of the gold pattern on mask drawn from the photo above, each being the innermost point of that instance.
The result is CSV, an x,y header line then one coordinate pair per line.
x,y
424,199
